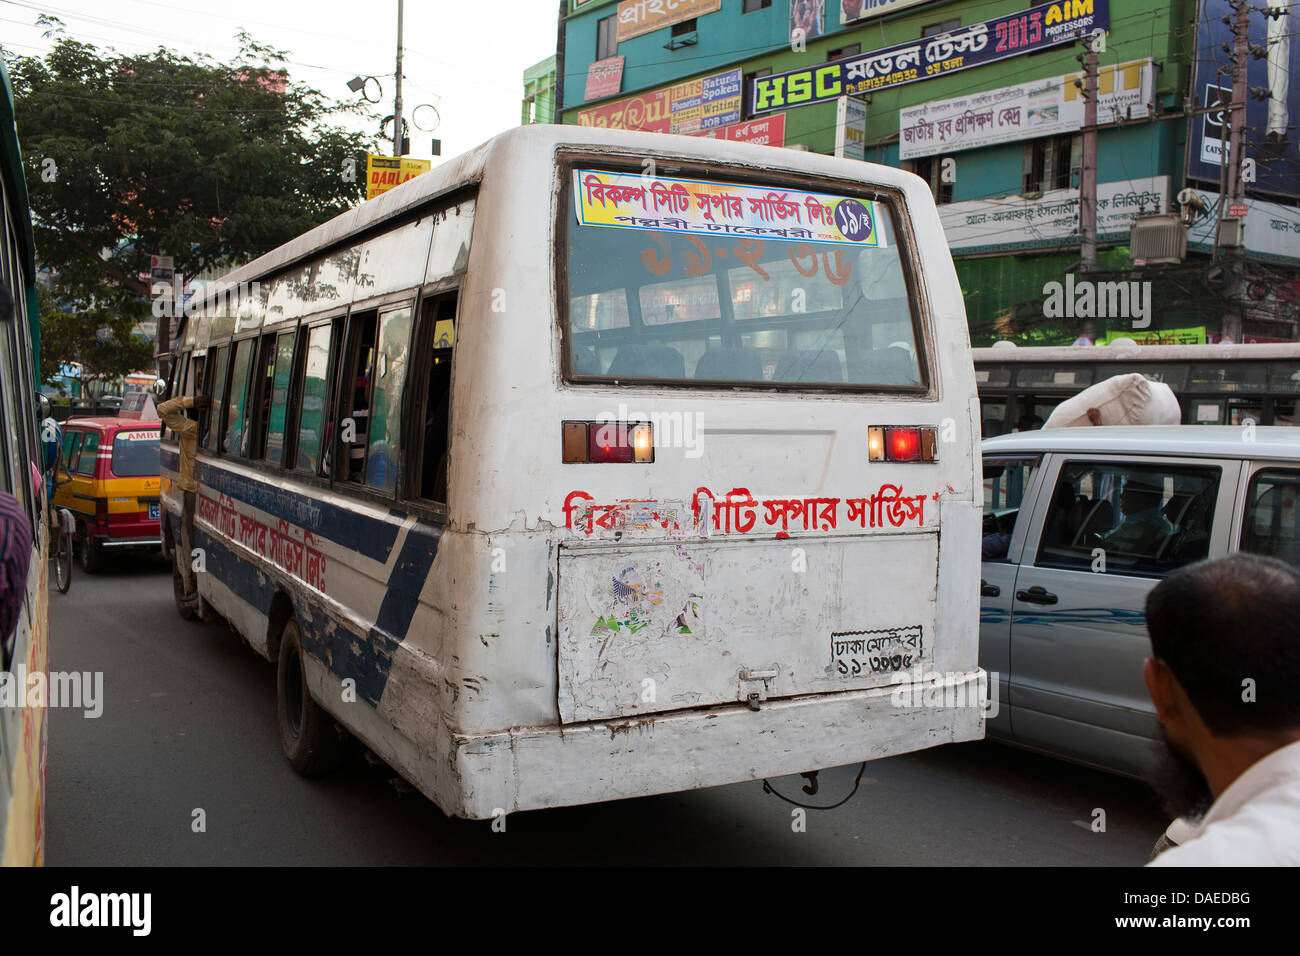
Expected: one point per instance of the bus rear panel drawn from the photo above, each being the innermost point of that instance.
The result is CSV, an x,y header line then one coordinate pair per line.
x,y
702,506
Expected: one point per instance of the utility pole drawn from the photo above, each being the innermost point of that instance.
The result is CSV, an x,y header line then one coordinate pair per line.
x,y
1234,190
1088,175
397,96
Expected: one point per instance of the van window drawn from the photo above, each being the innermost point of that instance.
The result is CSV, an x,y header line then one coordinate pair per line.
x,y
135,454
688,280
1005,483
1140,519
71,444
1272,522
89,453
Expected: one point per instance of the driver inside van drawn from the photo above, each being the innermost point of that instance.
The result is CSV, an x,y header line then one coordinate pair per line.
x,y
1143,525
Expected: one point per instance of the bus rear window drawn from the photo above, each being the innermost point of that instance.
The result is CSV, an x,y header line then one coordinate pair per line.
x,y
135,454
708,281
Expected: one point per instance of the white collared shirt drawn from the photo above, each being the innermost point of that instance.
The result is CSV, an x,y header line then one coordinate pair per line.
x,y
1255,822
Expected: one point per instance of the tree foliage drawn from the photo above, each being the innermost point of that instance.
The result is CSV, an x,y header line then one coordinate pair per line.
x,y
100,339
131,155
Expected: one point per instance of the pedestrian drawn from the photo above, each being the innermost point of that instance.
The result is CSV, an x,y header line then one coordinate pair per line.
x,y
1224,675
172,412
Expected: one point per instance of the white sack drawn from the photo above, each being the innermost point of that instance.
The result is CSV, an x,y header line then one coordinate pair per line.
x,y
1123,400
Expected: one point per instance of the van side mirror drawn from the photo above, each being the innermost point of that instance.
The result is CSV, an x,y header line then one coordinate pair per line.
x,y
43,407
160,387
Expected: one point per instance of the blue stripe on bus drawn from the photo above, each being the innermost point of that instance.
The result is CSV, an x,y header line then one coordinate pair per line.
x,y
406,581
353,530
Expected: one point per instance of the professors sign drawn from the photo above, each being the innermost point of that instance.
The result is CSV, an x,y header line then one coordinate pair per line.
x,y
1028,31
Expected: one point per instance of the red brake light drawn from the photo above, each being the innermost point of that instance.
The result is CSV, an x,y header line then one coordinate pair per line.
x,y
904,444
607,442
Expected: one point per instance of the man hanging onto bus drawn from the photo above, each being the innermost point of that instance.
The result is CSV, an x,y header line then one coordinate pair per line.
x,y
172,412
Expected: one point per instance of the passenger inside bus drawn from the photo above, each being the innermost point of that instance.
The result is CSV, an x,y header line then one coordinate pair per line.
x,y
439,315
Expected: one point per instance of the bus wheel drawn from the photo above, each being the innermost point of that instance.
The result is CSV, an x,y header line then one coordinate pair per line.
x,y
92,558
307,733
186,610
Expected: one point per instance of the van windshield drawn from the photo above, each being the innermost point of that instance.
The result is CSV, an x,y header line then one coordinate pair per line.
x,y
135,454
708,281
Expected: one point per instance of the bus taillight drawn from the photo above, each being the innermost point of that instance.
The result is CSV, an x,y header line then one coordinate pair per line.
x,y
901,443
607,442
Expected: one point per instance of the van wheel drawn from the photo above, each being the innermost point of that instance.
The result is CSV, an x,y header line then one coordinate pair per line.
x,y
307,733
92,559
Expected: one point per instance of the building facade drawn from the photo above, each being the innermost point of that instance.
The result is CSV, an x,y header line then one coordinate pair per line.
x,y
539,93
984,100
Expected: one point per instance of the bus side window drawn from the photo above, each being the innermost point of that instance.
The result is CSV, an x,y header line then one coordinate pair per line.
x,y
260,397
354,397
176,386
234,441
388,376
432,405
313,395
275,402
216,390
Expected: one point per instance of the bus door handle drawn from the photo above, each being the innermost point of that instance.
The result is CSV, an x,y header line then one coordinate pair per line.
x,y
989,590
1036,595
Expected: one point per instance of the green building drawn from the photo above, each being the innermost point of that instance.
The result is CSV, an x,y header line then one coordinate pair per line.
x,y
539,93
986,109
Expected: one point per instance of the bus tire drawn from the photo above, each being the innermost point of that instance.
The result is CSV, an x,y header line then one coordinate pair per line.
x,y
186,610
307,734
92,559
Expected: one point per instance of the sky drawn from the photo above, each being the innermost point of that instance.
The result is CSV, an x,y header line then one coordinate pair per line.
x,y
466,58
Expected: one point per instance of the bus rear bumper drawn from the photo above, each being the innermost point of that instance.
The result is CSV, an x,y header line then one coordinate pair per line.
x,y
532,768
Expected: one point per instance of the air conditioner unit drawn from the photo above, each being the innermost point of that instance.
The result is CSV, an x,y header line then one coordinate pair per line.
x,y
1158,239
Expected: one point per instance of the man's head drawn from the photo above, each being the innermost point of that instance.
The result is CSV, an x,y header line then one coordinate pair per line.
x,y
1224,671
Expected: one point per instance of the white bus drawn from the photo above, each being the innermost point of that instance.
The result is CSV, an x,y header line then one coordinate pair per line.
x,y
594,464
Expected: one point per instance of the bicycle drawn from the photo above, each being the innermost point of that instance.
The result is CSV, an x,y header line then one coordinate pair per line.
x,y
61,530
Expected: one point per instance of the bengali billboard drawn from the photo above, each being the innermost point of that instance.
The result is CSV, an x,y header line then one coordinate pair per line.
x,y
768,131
1271,123
634,201
706,103
636,17
1028,31
980,225
1028,110
604,78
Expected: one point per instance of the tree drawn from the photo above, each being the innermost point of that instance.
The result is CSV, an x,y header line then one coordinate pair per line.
x,y
132,155
100,340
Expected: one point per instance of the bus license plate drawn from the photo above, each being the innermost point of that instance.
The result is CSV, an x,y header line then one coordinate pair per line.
x,y
153,510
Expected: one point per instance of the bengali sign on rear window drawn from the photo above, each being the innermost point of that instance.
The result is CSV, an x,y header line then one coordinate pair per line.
x,y
632,201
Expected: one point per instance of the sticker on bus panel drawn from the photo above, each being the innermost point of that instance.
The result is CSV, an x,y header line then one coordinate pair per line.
x,y
632,201
883,651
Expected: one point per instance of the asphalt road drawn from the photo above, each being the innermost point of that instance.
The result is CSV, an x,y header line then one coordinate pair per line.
x,y
189,724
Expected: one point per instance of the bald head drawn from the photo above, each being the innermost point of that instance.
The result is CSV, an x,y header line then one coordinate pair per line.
x,y
1222,622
